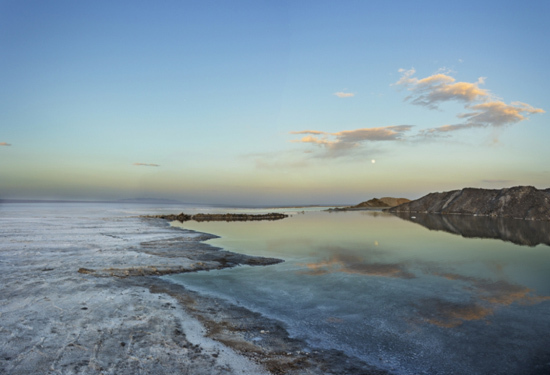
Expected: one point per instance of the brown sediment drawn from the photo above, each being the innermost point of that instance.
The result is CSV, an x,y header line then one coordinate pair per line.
x,y
217,263
263,340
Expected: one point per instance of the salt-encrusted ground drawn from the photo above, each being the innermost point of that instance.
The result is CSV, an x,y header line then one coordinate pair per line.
x,y
57,320
78,297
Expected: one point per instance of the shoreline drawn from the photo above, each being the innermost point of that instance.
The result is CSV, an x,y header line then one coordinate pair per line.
x,y
263,340
116,316
358,209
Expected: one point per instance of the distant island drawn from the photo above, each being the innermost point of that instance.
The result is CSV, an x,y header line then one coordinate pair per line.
x,y
220,217
374,204
519,202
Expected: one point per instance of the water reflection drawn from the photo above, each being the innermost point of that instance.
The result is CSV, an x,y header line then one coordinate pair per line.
x,y
499,292
520,232
485,296
478,297
448,314
394,294
350,263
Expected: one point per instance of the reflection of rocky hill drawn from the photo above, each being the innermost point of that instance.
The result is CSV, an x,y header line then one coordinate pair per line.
x,y
520,202
521,232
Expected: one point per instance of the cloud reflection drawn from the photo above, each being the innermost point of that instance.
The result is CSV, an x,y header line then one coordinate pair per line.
x,y
499,292
479,300
486,297
353,264
447,314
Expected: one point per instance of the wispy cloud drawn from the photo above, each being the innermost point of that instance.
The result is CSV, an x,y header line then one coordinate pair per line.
x,y
342,94
349,139
491,114
146,165
5,144
483,109
498,113
439,88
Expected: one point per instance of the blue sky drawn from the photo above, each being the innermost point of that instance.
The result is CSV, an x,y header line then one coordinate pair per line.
x,y
275,102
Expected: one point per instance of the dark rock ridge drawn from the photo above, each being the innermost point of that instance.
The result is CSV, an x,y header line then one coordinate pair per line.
x,y
374,203
382,202
519,202
520,232
220,217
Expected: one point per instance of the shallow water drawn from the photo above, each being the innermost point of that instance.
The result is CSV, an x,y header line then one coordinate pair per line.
x,y
392,292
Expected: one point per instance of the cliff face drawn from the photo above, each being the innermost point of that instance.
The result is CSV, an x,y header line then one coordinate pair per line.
x,y
519,202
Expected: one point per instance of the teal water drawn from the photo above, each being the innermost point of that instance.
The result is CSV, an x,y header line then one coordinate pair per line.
x,y
392,292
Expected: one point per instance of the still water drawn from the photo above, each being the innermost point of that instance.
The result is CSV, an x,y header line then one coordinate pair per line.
x,y
396,293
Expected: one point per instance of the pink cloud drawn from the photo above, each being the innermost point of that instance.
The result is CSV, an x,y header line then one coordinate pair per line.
x,y
439,88
482,108
350,139
341,94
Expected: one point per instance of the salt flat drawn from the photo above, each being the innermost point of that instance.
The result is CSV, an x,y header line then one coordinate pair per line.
x,y
80,295
54,319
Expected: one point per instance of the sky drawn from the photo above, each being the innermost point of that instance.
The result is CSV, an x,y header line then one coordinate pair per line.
x,y
271,102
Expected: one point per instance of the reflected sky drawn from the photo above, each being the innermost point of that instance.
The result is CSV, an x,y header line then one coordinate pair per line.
x,y
381,288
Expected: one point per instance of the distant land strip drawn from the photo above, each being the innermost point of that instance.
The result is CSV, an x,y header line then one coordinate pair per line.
x,y
219,217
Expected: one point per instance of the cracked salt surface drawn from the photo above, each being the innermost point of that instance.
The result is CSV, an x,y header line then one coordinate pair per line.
x,y
55,320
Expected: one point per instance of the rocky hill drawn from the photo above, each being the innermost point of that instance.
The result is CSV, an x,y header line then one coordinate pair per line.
x,y
392,202
382,202
375,203
519,202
